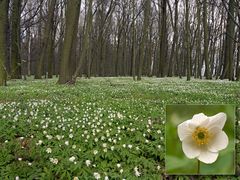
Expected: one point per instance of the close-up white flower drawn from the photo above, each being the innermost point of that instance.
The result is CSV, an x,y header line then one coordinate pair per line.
x,y
49,150
88,162
202,137
96,175
72,159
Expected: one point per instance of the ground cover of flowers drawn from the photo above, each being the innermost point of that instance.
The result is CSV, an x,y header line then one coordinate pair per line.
x,y
101,128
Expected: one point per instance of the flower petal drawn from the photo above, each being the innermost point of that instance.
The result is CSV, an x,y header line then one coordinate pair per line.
x,y
183,130
214,130
190,148
207,156
199,119
217,120
218,142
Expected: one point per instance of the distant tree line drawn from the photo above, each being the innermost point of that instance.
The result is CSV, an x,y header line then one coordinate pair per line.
x,y
161,38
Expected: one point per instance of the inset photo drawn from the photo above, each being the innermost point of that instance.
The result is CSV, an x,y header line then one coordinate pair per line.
x,y
200,140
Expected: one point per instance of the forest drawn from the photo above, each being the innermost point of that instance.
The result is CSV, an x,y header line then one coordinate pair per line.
x,y
96,89
110,38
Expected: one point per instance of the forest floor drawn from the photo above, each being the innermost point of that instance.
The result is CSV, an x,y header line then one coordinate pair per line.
x,y
100,127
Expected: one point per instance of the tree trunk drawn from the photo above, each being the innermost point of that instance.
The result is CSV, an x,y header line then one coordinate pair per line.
x,y
174,43
72,13
3,38
163,38
86,42
47,41
15,40
229,51
187,42
147,7
133,42
198,68
206,40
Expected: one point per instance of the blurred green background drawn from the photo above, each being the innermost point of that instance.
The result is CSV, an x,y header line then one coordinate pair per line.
x,y
177,162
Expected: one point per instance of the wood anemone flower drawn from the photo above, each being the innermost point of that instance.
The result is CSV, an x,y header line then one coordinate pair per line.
x,y
202,137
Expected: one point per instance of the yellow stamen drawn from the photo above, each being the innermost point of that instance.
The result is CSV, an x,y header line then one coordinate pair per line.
x,y
201,135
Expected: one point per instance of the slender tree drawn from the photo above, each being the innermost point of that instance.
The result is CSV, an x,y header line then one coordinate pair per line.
x,y
163,38
15,40
145,31
229,43
3,37
133,41
47,41
72,15
86,43
173,54
187,41
206,40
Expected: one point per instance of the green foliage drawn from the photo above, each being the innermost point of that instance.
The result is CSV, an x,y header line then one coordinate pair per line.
x,y
122,120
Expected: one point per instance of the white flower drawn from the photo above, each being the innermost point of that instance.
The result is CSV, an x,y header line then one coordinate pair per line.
x,y
104,145
49,150
202,137
71,136
49,136
137,173
95,152
39,142
118,165
66,143
88,162
130,146
96,175
54,160
72,159
58,137
121,171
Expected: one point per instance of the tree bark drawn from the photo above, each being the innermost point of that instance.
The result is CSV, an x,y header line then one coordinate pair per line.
x,y
229,37
163,38
72,13
86,43
147,7
3,38
15,40
206,40
187,42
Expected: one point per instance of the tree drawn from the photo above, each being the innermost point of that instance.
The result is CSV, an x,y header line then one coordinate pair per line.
x,y
133,41
72,15
229,40
86,49
3,37
147,9
163,38
187,42
174,53
206,40
48,42
15,40
198,62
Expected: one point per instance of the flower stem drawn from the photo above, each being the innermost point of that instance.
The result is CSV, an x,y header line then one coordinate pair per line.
x,y
198,168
